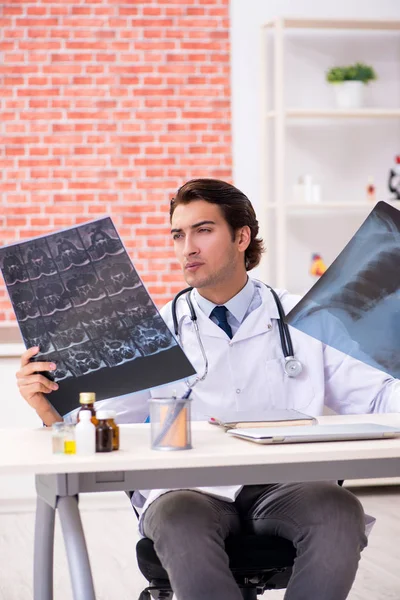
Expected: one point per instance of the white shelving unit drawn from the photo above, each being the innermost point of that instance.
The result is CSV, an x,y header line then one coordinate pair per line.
x,y
277,207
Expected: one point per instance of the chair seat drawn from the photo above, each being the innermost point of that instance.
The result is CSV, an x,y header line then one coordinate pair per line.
x,y
256,552
248,554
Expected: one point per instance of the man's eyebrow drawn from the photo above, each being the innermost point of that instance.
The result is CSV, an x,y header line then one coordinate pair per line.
x,y
199,224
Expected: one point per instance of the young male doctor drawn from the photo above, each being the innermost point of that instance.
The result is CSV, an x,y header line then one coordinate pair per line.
x,y
214,231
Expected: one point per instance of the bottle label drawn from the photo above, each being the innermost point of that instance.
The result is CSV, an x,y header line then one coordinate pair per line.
x,y
69,447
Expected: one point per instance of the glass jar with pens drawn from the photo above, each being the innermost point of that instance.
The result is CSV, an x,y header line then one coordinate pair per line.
x,y
170,423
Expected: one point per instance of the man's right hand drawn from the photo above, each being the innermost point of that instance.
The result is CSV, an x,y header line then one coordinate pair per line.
x,y
33,386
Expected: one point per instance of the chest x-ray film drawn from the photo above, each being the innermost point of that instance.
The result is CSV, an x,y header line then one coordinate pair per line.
x,y
355,306
77,295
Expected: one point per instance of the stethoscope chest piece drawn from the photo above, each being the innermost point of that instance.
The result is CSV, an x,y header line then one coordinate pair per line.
x,y
293,367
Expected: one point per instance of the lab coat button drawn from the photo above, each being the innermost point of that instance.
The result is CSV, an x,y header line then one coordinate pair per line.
x,y
238,391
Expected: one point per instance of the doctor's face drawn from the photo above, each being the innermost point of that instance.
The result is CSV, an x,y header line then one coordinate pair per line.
x,y
205,247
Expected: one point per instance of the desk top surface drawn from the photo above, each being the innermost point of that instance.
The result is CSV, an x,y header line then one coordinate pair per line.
x,y
30,450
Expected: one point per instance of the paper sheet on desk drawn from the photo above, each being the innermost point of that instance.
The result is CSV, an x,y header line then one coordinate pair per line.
x,y
354,307
262,418
77,295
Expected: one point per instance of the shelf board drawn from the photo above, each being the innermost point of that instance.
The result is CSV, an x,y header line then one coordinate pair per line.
x,y
307,207
335,113
292,206
361,24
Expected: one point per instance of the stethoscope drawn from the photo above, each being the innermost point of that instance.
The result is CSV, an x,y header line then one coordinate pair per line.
x,y
292,367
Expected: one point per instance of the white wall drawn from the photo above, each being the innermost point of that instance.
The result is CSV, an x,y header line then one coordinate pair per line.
x,y
341,154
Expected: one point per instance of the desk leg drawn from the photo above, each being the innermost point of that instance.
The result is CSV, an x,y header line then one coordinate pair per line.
x,y
75,546
44,549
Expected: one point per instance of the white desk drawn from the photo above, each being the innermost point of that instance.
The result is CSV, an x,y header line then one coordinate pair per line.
x,y
216,459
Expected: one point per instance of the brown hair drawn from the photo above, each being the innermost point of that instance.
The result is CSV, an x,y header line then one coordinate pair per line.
x,y
235,206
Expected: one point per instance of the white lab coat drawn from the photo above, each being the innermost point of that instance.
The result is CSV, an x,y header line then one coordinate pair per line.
x,y
246,373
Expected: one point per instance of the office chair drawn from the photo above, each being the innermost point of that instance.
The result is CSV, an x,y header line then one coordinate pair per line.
x,y
258,563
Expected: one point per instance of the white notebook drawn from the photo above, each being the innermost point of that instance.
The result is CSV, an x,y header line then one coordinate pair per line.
x,y
261,418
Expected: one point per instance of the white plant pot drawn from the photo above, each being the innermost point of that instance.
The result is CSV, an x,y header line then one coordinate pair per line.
x,y
349,94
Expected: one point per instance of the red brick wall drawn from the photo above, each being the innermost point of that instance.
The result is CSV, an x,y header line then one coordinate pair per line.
x,y
106,107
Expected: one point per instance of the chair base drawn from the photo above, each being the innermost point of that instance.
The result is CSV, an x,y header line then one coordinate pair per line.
x,y
249,593
158,590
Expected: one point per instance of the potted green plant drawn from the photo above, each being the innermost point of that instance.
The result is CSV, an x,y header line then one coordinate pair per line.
x,y
349,84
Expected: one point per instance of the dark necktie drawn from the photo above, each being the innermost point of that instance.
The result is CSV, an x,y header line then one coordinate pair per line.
x,y
219,312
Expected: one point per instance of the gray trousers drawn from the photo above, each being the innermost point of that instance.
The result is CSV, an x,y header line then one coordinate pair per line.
x,y
324,521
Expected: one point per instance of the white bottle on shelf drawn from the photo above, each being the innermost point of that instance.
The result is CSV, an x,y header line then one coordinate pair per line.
x,y
308,188
299,196
85,434
316,193
305,191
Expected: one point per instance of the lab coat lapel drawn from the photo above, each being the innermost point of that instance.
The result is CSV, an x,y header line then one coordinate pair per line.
x,y
259,320
207,327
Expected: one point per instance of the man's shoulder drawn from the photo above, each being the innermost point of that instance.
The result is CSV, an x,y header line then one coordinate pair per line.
x,y
166,313
287,299
166,309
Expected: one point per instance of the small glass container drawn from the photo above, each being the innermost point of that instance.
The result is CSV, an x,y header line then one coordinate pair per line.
x,y
69,439
170,424
57,437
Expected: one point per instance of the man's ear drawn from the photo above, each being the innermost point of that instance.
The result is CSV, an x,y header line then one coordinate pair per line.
x,y
243,237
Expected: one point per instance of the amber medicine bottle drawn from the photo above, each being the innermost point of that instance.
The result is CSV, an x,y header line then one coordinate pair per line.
x,y
104,433
87,400
111,421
